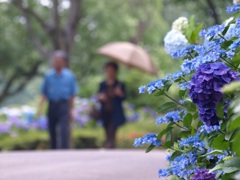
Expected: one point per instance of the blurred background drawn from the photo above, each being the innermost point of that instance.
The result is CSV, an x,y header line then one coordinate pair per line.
x,y
32,29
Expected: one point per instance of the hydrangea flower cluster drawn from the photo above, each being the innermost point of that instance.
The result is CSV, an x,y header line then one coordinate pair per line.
x,y
208,129
205,89
203,174
209,52
192,141
174,41
150,139
181,166
209,66
233,9
180,23
173,116
212,31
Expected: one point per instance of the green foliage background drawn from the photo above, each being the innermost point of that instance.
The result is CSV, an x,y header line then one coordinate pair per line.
x,y
103,21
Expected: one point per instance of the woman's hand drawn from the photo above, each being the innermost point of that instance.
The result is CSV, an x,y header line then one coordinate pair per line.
x,y
102,97
118,91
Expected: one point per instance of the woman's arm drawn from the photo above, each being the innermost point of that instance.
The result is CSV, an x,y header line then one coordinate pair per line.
x,y
102,97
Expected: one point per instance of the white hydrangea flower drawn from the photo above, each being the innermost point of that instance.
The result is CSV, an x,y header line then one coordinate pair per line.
x,y
236,1
174,41
180,23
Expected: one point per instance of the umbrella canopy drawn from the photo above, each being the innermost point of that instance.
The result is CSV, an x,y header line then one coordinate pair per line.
x,y
130,55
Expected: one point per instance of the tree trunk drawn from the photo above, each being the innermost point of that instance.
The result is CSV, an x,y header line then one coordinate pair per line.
x,y
214,14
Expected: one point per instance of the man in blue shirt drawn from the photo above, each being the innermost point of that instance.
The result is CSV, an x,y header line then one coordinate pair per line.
x,y
59,88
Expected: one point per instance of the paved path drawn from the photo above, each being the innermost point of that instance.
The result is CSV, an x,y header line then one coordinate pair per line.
x,y
81,165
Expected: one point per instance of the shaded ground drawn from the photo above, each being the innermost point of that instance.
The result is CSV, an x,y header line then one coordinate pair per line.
x,y
81,165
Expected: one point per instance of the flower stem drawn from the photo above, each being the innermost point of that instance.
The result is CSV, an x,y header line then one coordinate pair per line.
x,y
190,55
222,37
173,99
183,79
180,126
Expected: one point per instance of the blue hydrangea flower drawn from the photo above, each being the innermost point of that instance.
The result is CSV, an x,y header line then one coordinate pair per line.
x,y
142,89
203,174
173,116
183,52
182,166
177,75
234,45
230,54
151,89
147,139
208,46
205,89
233,31
157,84
237,22
182,102
212,31
188,66
208,129
233,9
184,85
192,141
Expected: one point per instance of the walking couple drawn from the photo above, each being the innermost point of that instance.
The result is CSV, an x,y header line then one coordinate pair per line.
x,y
59,89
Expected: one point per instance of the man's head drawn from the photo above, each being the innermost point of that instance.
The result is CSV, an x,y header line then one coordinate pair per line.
x,y
111,69
59,60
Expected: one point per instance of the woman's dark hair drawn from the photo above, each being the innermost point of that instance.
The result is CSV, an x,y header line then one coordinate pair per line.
x,y
112,64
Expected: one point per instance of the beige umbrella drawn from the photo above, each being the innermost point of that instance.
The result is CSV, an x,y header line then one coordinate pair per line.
x,y
130,55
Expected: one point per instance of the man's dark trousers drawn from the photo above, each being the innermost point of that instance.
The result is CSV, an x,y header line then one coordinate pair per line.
x,y
58,124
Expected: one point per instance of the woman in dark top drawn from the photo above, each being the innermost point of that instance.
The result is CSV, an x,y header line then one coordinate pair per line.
x,y
111,95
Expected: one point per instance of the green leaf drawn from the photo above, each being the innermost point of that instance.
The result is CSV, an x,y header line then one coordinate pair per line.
x,y
182,94
185,133
167,85
226,44
167,106
187,121
217,167
228,136
220,109
195,115
190,106
175,154
168,141
150,148
228,177
231,165
234,124
165,131
159,92
235,144
213,153
226,29
220,143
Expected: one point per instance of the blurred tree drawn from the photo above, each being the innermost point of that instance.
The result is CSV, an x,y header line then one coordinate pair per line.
x,y
54,25
19,62
60,34
202,9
